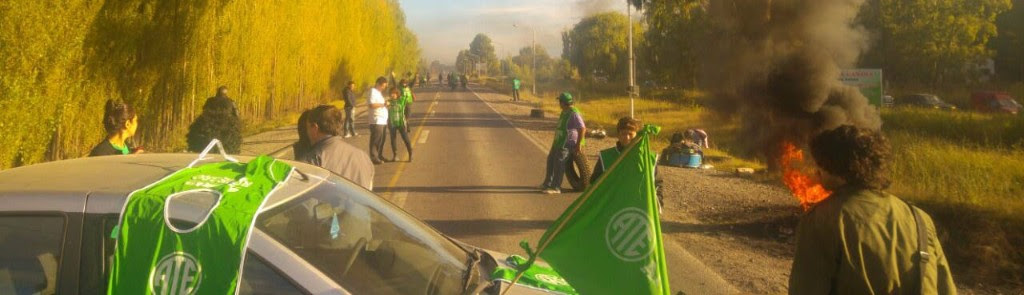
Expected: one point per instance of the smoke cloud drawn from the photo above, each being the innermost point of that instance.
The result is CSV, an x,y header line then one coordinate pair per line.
x,y
775,64
592,7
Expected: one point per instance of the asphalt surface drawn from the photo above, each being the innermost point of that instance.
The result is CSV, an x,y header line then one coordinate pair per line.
x,y
475,177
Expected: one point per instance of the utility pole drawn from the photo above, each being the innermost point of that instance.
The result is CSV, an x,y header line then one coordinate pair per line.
x,y
632,82
533,57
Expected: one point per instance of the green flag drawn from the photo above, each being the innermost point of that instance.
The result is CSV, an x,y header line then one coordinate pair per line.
x,y
609,240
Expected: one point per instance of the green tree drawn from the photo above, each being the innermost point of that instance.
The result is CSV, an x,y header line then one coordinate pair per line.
x,y
60,63
483,49
1009,44
596,46
675,41
930,42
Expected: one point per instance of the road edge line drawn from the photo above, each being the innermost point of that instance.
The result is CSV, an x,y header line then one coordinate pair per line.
x,y
529,137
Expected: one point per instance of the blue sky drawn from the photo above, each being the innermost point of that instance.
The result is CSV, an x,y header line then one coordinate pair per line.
x,y
446,26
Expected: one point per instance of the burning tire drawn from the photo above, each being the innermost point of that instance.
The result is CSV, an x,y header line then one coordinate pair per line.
x,y
577,172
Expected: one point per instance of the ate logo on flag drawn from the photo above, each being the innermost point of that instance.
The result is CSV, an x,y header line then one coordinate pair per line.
x,y
628,235
176,273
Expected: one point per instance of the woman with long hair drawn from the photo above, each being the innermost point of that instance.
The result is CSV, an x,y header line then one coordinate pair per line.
x,y
120,121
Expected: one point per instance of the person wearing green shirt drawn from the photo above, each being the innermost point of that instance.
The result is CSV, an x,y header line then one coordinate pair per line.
x,y
397,124
120,121
515,88
407,98
862,240
568,142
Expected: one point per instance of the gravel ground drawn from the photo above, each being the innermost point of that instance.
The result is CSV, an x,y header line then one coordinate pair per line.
x,y
740,228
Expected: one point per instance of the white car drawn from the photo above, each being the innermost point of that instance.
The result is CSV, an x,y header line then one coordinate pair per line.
x,y
56,221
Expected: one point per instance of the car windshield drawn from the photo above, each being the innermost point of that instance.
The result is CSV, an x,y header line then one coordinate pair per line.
x,y
366,245
932,99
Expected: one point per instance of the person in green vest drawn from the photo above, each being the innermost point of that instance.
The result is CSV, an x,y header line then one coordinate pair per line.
x,y
407,98
862,240
515,88
120,121
626,131
568,141
397,124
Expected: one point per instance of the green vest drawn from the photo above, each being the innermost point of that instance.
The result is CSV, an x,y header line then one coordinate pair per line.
x,y
153,257
406,97
562,132
608,157
396,113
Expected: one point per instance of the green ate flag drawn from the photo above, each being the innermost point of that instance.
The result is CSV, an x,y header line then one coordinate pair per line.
x,y
609,240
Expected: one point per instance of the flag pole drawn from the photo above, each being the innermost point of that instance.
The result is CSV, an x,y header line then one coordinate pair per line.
x,y
586,195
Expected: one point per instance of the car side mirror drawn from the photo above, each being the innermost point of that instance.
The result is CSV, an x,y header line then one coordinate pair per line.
x,y
323,211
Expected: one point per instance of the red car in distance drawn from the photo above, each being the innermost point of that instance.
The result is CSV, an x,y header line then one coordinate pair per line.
x,y
995,102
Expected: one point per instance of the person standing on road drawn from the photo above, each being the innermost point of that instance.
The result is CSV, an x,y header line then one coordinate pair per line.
x,y
862,240
515,88
626,130
378,119
407,98
568,141
349,127
397,124
331,152
120,122
219,120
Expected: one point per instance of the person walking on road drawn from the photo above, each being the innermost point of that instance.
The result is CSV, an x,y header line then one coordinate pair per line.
x,y
378,119
120,121
862,240
397,124
219,120
349,127
568,141
515,88
329,151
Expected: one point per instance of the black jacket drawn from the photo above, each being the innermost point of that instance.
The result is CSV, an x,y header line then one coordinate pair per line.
x,y
350,98
105,148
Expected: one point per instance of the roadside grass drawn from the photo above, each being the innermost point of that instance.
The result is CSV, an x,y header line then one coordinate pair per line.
x,y
958,127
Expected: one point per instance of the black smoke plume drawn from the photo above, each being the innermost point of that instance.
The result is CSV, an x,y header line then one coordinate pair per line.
x,y
774,65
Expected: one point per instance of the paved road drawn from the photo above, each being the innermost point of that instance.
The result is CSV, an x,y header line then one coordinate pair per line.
x,y
475,178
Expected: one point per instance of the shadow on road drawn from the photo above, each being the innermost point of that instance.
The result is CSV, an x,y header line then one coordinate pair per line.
x,y
467,189
487,227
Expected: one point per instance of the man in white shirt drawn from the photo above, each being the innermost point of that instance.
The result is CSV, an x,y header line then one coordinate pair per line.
x,y
378,120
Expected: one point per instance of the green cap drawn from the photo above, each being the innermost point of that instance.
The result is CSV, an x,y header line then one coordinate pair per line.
x,y
565,97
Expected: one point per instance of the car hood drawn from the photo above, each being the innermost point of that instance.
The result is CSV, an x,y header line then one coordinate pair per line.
x,y
494,259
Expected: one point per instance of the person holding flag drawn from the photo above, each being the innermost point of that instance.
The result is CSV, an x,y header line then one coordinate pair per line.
x,y
610,231
626,130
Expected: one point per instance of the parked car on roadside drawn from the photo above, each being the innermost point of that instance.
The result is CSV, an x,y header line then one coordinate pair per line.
x,y
923,100
995,102
56,221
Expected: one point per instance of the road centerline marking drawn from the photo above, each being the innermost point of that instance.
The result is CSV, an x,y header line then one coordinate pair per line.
x,y
426,134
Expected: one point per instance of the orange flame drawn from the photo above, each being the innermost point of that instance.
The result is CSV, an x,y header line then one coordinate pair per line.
x,y
809,191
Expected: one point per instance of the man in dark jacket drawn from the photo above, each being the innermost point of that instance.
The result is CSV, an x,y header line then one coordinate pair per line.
x,y
331,152
219,120
349,94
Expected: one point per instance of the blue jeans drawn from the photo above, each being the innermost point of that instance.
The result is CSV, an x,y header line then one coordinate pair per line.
x,y
557,159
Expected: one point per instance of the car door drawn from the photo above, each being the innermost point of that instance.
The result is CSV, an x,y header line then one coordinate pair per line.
x,y
39,237
265,270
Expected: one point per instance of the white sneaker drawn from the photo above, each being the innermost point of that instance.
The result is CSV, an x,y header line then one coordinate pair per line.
x,y
551,191
347,136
